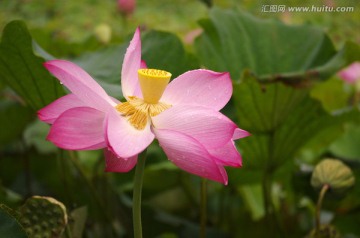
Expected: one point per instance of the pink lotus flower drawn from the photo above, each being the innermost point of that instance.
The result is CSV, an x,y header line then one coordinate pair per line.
x,y
182,115
351,74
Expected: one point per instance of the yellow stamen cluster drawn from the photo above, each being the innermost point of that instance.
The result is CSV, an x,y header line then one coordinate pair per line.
x,y
139,112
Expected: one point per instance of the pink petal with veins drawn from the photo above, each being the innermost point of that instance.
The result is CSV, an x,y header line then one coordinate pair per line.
x,y
79,128
199,88
80,83
137,91
189,155
240,133
227,155
131,64
119,165
209,127
123,139
52,111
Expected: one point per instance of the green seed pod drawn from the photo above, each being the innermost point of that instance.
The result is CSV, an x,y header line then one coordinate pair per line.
x,y
333,173
42,216
325,231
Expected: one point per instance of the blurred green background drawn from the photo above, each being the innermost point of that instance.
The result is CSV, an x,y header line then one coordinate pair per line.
x,y
74,21
94,34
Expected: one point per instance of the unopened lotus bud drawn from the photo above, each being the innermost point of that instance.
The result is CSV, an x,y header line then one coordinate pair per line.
x,y
351,74
334,173
126,7
325,231
103,33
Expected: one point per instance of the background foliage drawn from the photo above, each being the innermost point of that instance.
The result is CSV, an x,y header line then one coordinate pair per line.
x,y
286,94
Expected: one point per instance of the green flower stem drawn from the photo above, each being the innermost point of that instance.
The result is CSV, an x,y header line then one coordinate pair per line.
x,y
324,188
138,181
203,207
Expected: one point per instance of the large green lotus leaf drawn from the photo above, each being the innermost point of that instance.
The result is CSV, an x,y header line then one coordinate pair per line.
x,y
163,50
13,120
62,47
160,50
105,66
280,118
347,146
253,198
35,135
234,40
79,216
9,226
264,107
160,177
23,71
334,94
2,85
